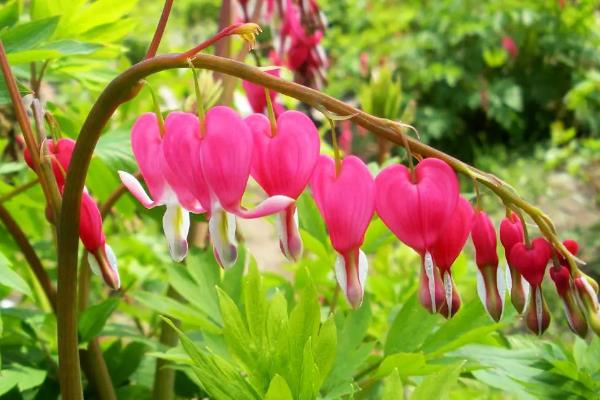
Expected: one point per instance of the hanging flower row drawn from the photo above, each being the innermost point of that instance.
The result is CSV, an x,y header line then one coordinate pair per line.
x,y
202,165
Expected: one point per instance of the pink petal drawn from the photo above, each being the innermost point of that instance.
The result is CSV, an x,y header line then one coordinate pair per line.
x,y
181,150
271,205
454,236
417,212
283,164
346,202
146,145
226,156
136,189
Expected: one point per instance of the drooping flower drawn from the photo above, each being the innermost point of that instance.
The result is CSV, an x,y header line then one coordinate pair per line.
x,y
490,278
587,291
283,164
531,263
347,203
256,96
565,288
165,187
511,233
417,209
101,258
445,251
215,164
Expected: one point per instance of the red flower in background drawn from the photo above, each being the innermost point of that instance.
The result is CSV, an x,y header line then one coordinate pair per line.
x,y
510,46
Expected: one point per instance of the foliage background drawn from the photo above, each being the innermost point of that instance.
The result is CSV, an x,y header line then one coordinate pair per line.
x,y
533,120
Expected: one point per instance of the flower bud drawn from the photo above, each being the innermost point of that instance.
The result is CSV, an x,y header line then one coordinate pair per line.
x,y
537,316
490,281
564,287
589,300
511,233
431,288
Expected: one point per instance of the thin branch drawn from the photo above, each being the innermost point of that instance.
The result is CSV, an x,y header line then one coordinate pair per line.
x,y
30,255
160,30
18,190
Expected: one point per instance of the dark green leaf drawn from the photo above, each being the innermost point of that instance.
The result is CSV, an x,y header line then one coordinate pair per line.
x,y
93,319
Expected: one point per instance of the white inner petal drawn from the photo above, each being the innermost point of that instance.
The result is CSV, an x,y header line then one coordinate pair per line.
x,y
430,278
500,281
448,292
481,292
538,309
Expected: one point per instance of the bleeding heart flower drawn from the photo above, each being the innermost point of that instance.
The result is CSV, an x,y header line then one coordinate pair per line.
x,y
166,188
490,278
216,164
565,288
444,253
587,291
531,263
283,164
347,203
257,99
573,248
101,258
511,233
61,152
417,210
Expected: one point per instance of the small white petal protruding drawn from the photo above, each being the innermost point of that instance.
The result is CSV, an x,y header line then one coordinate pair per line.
x,y
94,266
508,279
431,279
448,292
501,282
481,290
221,227
539,311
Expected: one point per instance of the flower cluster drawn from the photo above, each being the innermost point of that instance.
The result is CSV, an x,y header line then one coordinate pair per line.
x,y
202,165
100,255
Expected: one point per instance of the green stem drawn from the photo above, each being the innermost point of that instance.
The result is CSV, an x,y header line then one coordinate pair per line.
x,y
164,377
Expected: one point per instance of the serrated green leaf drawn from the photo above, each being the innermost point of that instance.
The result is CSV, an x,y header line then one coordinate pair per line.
x,y
410,328
392,387
93,319
10,279
438,385
309,374
255,305
183,312
219,378
28,35
325,349
235,331
278,390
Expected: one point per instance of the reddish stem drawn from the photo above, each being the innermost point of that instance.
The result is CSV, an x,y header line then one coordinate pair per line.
x,y
160,30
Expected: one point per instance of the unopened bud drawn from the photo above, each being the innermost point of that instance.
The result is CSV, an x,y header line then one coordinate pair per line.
x,y
248,32
537,315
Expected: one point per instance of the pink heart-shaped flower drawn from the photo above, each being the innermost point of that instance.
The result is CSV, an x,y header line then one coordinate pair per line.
x,y
531,262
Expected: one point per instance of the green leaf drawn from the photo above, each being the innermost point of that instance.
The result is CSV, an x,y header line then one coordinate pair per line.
x,y
392,387
28,35
24,377
278,389
27,56
93,319
72,47
255,305
410,328
183,312
235,331
5,96
10,279
9,14
325,349
129,360
405,364
219,378
309,374
438,385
